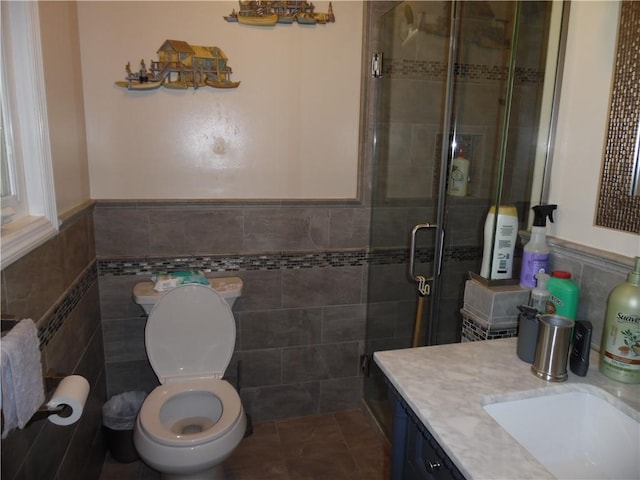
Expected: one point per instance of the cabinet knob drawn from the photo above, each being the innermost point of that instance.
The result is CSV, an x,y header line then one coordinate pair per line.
x,y
432,467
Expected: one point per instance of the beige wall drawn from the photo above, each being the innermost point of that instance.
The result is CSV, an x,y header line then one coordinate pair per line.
x,y
65,109
122,145
582,127
289,131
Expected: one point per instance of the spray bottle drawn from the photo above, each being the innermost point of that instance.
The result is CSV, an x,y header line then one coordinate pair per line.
x,y
528,320
540,294
535,257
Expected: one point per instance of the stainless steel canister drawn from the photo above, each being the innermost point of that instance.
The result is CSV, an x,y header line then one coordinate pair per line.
x,y
552,348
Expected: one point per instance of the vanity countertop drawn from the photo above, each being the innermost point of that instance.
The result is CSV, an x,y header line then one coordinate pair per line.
x,y
446,386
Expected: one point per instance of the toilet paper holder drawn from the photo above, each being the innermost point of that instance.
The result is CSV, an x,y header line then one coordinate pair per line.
x,y
58,409
51,381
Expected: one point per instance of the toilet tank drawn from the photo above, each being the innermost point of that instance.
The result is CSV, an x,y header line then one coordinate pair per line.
x,y
230,288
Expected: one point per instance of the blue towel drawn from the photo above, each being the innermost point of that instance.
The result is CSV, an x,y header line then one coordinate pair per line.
x,y
166,282
21,374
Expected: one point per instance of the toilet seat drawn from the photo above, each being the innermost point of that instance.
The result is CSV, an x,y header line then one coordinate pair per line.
x,y
150,414
190,333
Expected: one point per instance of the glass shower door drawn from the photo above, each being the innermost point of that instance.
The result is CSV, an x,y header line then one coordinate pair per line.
x,y
459,79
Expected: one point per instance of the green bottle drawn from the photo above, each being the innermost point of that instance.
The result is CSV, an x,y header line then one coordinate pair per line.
x,y
563,295
620,348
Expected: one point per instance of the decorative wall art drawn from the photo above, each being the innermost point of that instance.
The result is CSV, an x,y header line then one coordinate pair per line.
x,y
181,66
266,13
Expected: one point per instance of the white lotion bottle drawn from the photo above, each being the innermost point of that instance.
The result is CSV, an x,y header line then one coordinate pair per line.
x,y
459,177
501,266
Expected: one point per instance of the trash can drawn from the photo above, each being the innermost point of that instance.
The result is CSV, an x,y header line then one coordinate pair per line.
x,y
118,419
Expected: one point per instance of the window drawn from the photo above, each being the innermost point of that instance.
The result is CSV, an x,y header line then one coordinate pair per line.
x,y
6,189
29,214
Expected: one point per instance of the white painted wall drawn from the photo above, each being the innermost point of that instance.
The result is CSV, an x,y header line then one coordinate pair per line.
x,y
290,130
65,110
582,129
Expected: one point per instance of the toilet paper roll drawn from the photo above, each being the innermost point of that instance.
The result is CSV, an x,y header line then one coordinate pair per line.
x,y
72,391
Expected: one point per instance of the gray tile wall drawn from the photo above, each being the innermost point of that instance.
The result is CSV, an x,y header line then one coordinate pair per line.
x,y
168,229
298,329
56,285
300,332
301,328
596,273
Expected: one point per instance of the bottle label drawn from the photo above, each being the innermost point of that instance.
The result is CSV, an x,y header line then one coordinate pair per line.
x,y
621,347
554,304
532,264
563,297
623,339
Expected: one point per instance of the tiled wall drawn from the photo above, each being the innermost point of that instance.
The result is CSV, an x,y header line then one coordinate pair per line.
x,y
307,268
596,273
56,286
301,318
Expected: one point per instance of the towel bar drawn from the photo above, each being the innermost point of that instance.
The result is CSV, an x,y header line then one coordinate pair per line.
x,y
51,380
7,322
43,412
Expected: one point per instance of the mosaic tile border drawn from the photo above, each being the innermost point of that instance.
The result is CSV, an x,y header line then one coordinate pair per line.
x,y
275,261
61,312
472,331
437,71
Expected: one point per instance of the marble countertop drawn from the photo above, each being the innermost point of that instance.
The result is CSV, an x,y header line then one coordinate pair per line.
x,y
446,386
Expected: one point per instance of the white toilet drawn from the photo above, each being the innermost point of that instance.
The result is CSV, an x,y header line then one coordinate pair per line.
x,y
194,420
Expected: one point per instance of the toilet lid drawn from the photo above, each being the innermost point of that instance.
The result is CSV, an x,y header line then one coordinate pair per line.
x,y
190,332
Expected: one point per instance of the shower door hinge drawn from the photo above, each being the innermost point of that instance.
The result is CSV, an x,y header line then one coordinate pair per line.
x,y
376,65
365,363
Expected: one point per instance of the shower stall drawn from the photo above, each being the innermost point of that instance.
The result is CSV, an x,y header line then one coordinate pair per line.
x,y
475,80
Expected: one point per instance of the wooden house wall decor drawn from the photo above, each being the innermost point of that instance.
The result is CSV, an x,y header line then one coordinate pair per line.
x,y
267,13
181,66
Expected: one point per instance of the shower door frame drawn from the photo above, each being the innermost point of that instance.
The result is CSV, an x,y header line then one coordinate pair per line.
x,y
455,19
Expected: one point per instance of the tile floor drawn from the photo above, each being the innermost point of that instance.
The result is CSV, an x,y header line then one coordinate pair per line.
x,y
339,446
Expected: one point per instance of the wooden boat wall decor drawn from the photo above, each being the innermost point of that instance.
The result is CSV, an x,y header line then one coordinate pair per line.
x,y
267,13
181,66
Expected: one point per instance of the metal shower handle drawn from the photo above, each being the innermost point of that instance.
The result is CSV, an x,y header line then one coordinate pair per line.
x,y
424,288
412,252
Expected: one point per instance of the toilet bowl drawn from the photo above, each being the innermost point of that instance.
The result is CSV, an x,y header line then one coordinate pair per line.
x,y
193,421
186,430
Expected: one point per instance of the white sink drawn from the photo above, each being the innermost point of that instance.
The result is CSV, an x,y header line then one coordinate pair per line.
x,y
575,435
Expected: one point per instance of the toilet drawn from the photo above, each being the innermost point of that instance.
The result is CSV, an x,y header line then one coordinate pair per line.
x,y
193,421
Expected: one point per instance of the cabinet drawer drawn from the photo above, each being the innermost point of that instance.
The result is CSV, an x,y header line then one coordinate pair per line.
x,y
425,458
415,454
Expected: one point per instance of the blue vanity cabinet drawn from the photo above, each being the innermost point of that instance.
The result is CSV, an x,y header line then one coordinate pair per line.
x,y
415,454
